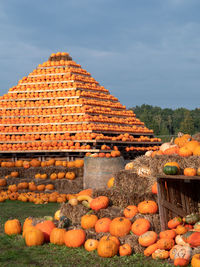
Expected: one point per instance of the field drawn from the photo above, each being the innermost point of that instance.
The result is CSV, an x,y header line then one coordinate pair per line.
x,y
14,252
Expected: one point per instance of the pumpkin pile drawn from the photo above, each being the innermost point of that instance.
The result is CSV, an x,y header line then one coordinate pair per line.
x,y
40,181
183,145
59,106
180,243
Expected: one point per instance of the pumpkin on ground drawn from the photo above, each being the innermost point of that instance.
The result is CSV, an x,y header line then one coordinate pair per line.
x,y
120,226
28,221
181,262
147,239
34,237
57,236
125,250
160,254
27,228
111,237
150,249
91,244
107,248
74,238
46,227
12,227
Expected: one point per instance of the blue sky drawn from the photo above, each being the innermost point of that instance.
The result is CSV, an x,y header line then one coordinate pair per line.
x,y
142,51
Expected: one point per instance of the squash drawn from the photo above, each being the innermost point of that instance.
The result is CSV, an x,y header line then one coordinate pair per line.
x,y
191,218
170,170
195,262
160,254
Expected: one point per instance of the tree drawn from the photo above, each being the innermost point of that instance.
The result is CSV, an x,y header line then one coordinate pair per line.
x,y
187,125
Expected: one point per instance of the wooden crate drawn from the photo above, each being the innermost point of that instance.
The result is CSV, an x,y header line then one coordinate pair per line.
x,y
178,195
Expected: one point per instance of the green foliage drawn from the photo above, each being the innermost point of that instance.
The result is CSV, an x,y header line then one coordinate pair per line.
x,y
169,122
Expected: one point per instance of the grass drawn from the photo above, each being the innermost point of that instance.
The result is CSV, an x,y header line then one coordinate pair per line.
x,y
14,252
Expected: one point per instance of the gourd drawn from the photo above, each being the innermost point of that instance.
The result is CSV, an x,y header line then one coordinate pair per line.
x,y
160,254
191,218
195,262
170,170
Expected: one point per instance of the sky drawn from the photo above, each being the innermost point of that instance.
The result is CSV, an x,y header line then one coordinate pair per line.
x,y
142,51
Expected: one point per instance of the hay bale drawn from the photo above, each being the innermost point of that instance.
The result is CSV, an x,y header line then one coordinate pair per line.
x,y
110,212
74,213
132,240
154,220
122,198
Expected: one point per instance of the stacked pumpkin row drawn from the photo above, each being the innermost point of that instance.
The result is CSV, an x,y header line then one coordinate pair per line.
x,y
55,94
55,86
68,119
37,183
73,91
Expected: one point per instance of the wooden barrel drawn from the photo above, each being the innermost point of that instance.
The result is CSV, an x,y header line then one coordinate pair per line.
x,y
97,171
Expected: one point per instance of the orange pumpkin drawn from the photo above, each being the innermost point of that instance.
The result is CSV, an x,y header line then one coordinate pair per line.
x,y
147,239
120,226
140,226
125,250
74,238
91,244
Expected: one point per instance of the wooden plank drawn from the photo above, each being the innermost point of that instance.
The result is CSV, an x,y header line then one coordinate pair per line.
x,y
47,82
169,206
178,177
162,210
74,105
58,97
61,89
60,150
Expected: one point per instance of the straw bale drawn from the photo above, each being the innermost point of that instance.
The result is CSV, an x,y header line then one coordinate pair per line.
x,y
74,213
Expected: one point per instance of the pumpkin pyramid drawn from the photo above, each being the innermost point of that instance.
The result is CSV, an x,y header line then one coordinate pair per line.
x,y
61,107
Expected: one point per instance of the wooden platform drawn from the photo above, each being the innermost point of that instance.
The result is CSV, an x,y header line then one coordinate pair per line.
x,y
178,195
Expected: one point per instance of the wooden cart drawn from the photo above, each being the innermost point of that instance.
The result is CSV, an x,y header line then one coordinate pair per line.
x,y
178,195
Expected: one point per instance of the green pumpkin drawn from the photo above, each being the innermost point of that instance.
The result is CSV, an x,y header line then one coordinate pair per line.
x,y
170,170
191,218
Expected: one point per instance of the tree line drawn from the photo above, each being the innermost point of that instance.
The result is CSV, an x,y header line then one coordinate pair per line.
x,y
168,122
